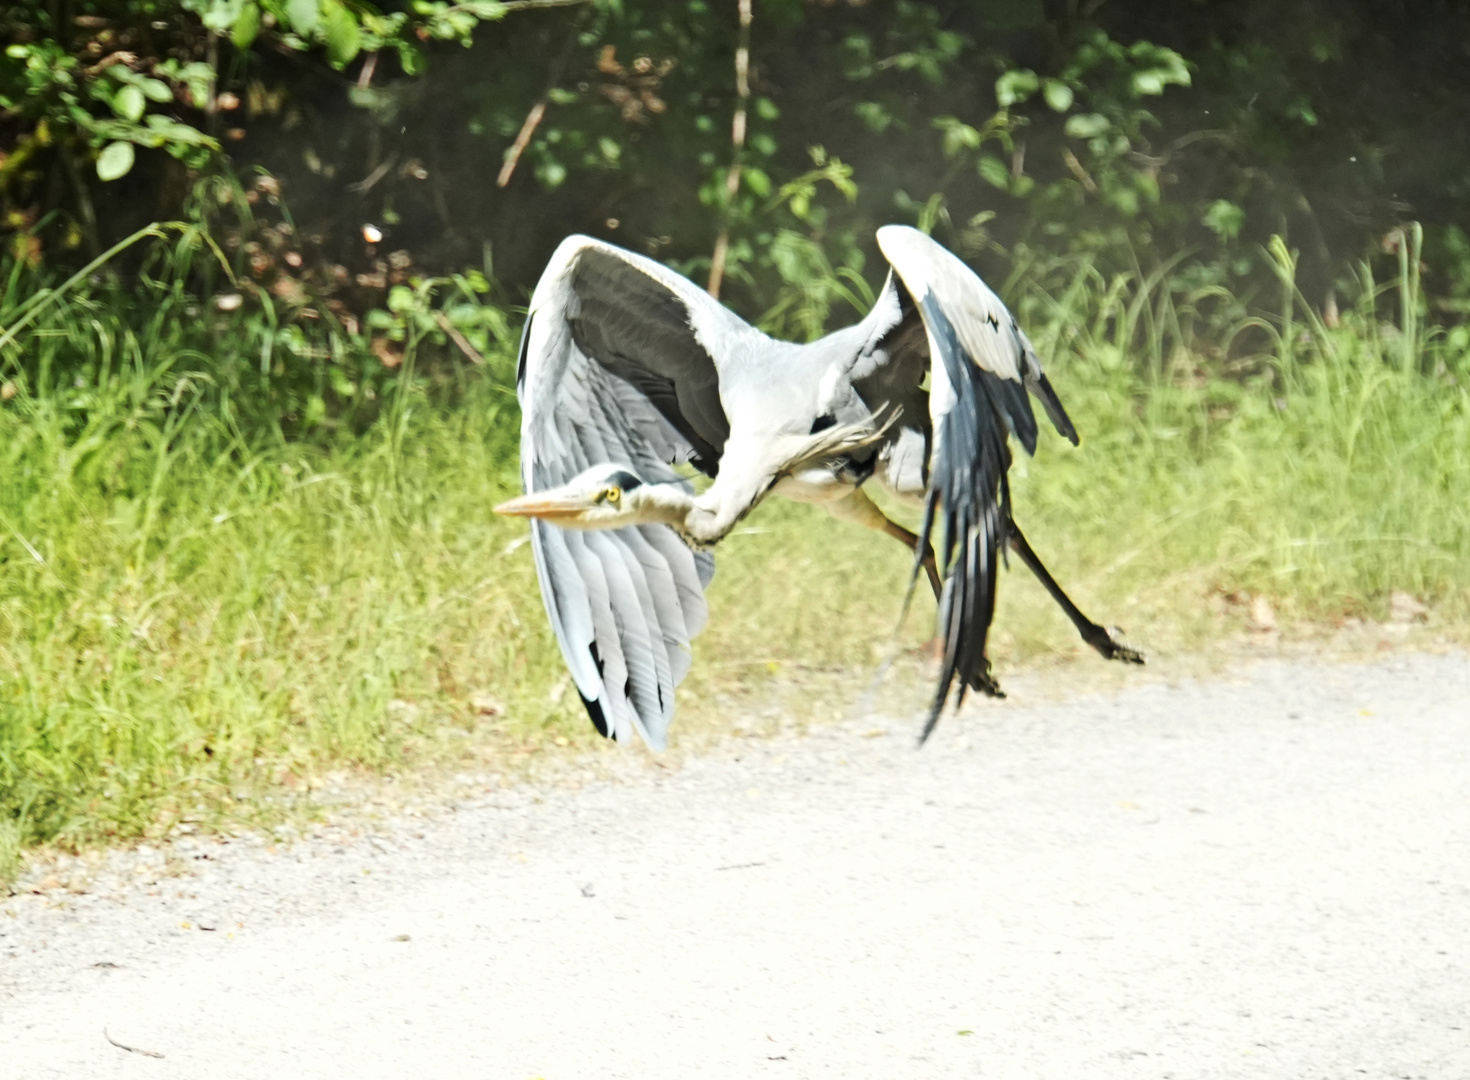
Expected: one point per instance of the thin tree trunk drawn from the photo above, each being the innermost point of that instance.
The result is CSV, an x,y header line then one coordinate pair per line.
x,y
737,142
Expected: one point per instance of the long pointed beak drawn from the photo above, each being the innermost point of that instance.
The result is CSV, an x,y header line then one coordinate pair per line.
x,y
555,505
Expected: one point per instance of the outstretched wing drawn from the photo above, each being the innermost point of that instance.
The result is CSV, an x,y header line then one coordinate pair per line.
x,y
981,367
620,363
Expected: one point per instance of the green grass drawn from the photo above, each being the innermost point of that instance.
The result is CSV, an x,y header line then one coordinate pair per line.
x,y
196,622
218,622
1326,472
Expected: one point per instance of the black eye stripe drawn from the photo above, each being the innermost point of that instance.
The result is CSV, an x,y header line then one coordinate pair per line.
x,y
625,480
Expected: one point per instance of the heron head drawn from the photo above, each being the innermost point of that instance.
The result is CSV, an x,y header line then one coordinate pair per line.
x,y
602,497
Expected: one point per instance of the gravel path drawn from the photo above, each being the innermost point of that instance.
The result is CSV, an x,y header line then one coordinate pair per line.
x,y
1267,878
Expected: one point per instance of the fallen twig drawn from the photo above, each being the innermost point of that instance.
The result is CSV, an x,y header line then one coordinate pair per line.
x,y
1075,168
365,76
523,139
458,338
130,1049
538,110
366,183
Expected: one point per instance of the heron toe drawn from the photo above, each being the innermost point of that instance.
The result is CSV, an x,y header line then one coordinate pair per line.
x,y
1107,643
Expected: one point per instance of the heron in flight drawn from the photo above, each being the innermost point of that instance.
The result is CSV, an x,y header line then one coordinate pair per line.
x,y
628,369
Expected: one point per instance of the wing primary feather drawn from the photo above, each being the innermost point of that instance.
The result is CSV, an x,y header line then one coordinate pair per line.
x,y
593,705
609,655
1014,406
568,607
659,598
968,484
636,692
522,352
1041,387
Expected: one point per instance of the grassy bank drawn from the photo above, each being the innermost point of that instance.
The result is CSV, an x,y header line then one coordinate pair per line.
x,y
195,619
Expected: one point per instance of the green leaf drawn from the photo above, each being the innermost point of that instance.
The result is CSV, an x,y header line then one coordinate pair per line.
x,y
958,136
1124,199
1016,86
129,103
157,91
874,116
217,15
994,171
246,26
316,410
1148,82
198,77
1058,94
1224,219
304,16
344,36
173,131
1086,125
410,57
400,299
114,161
488,10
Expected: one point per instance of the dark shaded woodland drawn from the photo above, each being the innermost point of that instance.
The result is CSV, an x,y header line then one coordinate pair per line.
x,y
1130,135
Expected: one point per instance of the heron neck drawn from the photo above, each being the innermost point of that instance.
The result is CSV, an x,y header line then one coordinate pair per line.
x,y
662,504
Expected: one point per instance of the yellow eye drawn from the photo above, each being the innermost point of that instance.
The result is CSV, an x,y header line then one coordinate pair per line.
x,y
612,495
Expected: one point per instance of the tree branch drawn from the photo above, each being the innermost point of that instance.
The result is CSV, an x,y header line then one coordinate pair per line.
x,y
737,143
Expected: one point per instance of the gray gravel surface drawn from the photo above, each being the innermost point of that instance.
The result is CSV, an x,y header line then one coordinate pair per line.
x,y
1261,878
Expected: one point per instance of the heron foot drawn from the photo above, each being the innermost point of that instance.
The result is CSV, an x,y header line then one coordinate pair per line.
x,y
986,684
1108,643
990,688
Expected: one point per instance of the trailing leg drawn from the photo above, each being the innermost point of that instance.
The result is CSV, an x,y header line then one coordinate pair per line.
x,y
861,510
1095,635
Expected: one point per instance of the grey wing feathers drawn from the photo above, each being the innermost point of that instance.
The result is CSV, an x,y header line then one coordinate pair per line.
x,y
616,366
985,331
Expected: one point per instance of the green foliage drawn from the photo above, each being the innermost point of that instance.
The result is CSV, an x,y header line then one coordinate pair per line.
x,y
107,109
191,607
1125,136
149,74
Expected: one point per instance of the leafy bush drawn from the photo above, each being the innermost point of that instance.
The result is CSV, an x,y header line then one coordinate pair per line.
x,y
1126,137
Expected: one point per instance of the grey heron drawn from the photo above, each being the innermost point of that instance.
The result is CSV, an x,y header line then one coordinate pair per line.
x,y
627,369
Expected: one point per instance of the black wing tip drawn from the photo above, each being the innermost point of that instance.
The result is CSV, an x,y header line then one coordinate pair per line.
x,y
595,713
982,681
1053,405
1063,423
941,698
